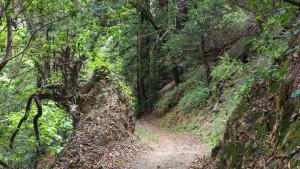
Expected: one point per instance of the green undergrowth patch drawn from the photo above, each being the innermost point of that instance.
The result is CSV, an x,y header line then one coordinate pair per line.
x,y
186,93
169,120
191,100
206,113
227,68
214,128
188,125
55,125
291,142
292,138
146,136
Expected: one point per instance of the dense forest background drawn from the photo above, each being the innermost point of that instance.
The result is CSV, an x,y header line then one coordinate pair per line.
x,y
185,61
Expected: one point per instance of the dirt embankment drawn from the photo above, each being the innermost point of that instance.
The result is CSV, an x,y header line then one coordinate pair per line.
x,y
263,131
104,136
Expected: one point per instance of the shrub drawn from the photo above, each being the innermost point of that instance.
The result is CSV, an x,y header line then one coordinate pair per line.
x,y
226,68
170,99
193,99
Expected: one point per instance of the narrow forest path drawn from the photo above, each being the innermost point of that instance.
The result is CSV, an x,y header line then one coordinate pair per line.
x,y
170,150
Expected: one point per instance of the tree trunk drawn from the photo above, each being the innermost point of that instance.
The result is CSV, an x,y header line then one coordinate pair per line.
x,y
9,25
143,64
158,69
181,13
181,17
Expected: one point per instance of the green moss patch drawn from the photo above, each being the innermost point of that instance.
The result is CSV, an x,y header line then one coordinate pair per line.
x,y
292,138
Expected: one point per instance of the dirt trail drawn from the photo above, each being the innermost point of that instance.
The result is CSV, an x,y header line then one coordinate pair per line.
x,y
171,151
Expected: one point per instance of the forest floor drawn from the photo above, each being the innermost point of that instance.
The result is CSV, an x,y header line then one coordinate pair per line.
x,y
168,150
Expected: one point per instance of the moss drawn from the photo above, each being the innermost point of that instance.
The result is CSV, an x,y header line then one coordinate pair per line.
x,y
250,148
212,138
292,138
187,125
261,130
166,101
285,121
295,163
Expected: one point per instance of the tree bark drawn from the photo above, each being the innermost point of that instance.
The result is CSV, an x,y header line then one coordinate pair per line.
x,y
181,17
181,13
9,25
143,64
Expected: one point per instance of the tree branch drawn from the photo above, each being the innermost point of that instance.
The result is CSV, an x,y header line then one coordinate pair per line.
x,y
24,118
6,60
36,125
293,2
140,7
9,37
36,97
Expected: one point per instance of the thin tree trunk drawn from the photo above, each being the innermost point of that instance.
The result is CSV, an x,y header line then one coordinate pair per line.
x,y
143,61
158,69
181,17
181,13
9,26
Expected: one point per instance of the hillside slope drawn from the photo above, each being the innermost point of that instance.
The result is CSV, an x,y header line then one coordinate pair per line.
x,y
249,112
263,131
104,136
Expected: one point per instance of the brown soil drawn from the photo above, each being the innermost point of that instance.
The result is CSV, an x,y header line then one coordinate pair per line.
x,y
172,150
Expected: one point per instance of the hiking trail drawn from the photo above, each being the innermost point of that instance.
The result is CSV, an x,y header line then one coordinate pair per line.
x,y
172,150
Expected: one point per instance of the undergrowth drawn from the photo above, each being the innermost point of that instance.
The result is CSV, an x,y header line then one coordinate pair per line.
x,y
206,114
191,100
55,129
226,68
193,87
